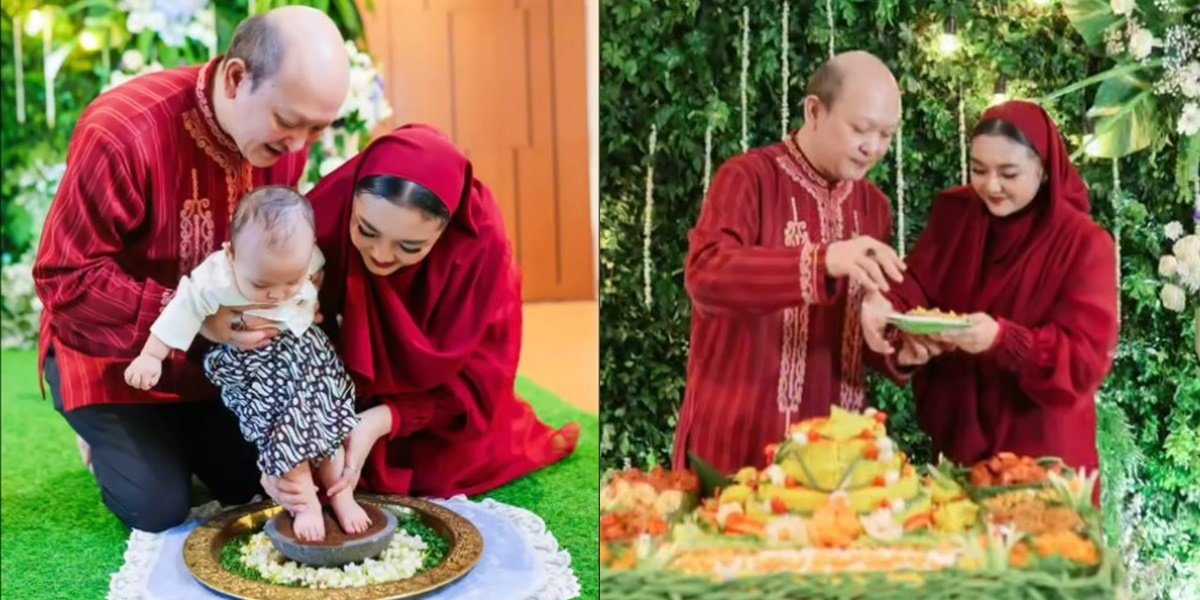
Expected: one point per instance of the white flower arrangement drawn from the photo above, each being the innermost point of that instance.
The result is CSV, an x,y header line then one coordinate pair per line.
x,y
21,308
19,305
366,101
1180,269
133,64
1173,230
1189,119
1141,41
400,560
173,20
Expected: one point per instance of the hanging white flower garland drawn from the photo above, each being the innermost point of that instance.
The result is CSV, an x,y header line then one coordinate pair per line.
x,y
962,135
1196,212
900,230
832,33
1116,175
708,137
648,218
783,53
20,63
745,76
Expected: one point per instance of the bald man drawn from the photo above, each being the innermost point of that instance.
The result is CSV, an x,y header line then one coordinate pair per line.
x,y
789,239
154,172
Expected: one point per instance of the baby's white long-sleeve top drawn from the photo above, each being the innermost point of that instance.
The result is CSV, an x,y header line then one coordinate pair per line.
x,y
211,286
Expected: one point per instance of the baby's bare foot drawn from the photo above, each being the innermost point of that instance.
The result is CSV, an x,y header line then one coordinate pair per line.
x,y
309,524
351,516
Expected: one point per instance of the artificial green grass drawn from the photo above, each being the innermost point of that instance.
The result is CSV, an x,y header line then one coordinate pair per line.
x,y
57,539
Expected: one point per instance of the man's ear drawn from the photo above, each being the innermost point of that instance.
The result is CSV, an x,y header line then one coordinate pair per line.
x,y
812,109
235,74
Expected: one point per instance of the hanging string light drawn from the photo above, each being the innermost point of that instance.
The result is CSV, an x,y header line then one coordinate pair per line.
x,y
35,23
648,218
745,76
88,40
1000,95
948,42
783,42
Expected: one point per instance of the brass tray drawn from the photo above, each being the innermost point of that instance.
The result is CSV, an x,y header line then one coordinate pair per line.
x,y
202,554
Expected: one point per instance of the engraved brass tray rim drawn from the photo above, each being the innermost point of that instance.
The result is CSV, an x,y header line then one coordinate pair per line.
x,y
202,554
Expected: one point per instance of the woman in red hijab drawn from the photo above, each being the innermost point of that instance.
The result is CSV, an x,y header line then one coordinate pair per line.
x,y
423,299
1017,251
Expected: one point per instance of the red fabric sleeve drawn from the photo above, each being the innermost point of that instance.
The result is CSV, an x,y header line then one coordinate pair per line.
x,y
726,272
1067,357
99,203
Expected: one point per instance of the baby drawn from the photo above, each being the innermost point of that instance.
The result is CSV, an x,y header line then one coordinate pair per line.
x,y
293,398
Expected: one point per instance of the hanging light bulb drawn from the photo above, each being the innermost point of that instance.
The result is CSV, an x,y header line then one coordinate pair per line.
x,y
35,22
948,42
1001,94
89,41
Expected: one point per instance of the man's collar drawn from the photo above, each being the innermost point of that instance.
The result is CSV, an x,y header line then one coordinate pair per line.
x,y
204,91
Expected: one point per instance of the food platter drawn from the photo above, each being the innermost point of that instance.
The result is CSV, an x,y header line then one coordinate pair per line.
x,y
927,325
202,554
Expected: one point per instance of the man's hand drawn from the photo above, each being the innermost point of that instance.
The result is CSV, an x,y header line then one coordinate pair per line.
x,y
875,310
229,326
866,260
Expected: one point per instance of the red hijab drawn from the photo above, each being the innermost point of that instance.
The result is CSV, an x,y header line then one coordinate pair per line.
x,y
393,340
1047,274
437,341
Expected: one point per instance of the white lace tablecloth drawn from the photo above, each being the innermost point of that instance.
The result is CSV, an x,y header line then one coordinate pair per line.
x,y
520,557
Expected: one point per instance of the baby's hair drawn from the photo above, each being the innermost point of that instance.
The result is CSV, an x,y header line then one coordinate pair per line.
x,y
280,211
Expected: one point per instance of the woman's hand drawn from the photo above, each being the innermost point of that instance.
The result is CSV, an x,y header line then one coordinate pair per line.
x,y
977,339
373,424
287,493
919,350
874,317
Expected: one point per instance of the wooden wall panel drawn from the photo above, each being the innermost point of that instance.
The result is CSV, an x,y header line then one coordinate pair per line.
x,y
506,80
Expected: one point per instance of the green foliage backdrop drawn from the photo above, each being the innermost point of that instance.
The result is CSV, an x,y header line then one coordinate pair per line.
x,y
675,66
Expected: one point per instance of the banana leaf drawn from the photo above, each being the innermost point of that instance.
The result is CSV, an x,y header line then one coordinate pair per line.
x,y
710,478
1091,18
1125,108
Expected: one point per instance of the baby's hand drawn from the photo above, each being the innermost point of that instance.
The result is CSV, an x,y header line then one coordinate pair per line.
x,y
143,372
